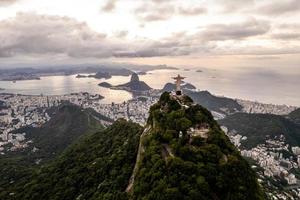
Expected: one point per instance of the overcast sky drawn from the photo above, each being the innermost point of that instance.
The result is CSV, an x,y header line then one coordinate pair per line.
x,y
218,33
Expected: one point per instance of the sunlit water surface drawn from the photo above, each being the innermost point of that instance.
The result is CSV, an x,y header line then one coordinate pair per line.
x,y
268,87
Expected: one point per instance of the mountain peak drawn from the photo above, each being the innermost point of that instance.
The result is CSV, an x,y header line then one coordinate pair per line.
x,y
134,77
184,154
134,85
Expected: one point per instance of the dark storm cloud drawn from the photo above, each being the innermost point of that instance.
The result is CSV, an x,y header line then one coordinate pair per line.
x,y
219,32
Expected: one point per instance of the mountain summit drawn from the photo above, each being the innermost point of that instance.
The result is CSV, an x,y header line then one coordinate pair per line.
x,y
134,77
184,154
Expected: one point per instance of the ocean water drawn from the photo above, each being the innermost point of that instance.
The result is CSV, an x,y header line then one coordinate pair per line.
x,y
58,85
256,85
262,86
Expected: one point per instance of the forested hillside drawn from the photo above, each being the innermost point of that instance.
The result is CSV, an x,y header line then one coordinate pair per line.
x,y
67,124
97,166
295,116
187,156
256,127
180,154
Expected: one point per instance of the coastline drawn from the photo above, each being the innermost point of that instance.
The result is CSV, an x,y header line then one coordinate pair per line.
x,y
23,74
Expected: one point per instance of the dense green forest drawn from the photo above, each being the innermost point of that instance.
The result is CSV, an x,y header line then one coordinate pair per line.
x,y
259,126
68,123
295,116
176,165
97,166
165,160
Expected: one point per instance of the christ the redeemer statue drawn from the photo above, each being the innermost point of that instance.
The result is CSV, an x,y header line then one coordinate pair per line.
x,y
178,80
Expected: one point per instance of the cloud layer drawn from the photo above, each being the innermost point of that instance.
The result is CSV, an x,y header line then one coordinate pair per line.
x,y
7,2
109,6
30,33
235,31
280,8
254,32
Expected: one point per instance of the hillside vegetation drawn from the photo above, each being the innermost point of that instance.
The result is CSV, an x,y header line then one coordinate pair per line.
x,y
179,163
97,166
181,154
295,116
68,123
256,127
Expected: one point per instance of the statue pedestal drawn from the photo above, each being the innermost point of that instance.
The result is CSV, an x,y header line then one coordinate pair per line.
x,y
178,92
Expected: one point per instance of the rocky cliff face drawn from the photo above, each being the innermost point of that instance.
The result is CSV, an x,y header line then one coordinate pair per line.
x,y
134,77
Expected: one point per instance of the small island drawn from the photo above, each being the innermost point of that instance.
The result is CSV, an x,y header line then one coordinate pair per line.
x,y
1,89
199,70
81,76
105,85
98,75
134,85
